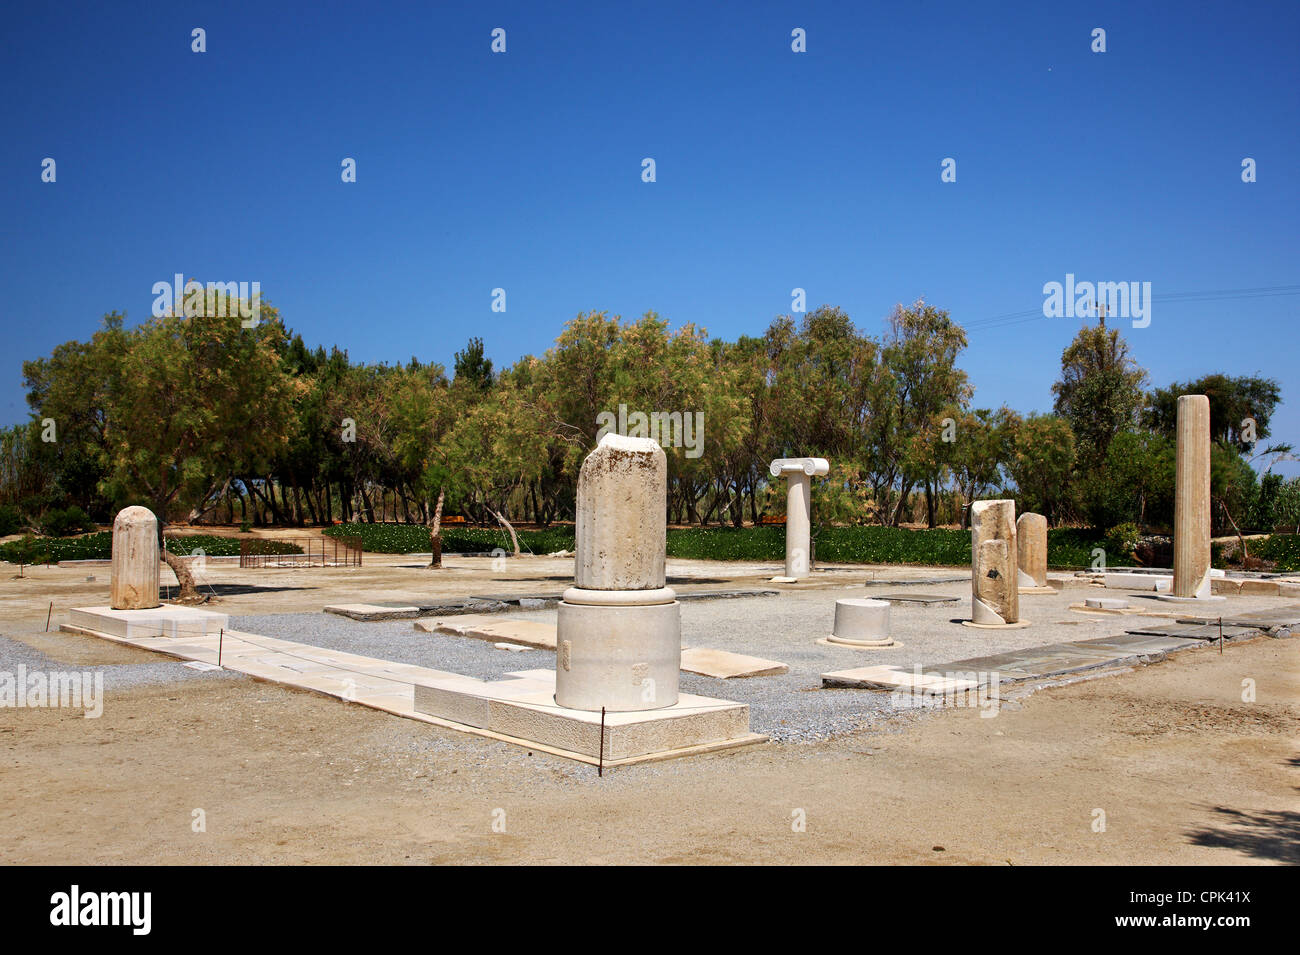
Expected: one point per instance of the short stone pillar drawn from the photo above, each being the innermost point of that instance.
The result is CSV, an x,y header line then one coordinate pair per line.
x,y
618,637
798,510
1192,501
862,622
134,573
1031,554
995,599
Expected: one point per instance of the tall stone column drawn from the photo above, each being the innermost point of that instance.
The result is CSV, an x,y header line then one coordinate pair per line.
x,y
798,510
1031,554
995,599
1192,500
134,573
618,638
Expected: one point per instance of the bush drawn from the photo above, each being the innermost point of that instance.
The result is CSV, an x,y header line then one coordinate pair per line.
x,y
414,538
62,523
1121,542
1283,550
11,521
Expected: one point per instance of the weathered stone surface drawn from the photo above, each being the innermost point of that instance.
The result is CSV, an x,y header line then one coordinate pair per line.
x,y
1192,498
1031,550
134,574
621,523
995,599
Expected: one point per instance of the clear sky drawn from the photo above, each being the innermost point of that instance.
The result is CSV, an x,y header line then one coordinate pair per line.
x,y
775,170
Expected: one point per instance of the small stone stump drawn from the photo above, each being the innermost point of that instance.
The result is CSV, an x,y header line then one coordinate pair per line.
x,y
134,573
618,630
862,622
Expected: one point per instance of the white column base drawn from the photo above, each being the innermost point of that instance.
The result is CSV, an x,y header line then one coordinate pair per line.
x,y
620,656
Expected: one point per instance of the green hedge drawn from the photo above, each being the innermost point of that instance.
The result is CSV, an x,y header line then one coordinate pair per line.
x,y
1066,548
99,546
414,538
1282,549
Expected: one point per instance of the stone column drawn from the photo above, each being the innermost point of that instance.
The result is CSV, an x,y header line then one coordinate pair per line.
x,y
1031,553
995,600
618,638
1192,499
798,510
134,573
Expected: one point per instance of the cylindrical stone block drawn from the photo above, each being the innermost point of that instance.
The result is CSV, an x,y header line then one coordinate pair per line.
x,y
134,572
860,621
1192,498
1031,550
995,599
622,516
622,658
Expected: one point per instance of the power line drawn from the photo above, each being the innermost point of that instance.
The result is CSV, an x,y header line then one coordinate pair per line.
x,y
1211,295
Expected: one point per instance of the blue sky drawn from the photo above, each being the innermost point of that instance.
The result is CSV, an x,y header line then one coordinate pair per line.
x,y
775,170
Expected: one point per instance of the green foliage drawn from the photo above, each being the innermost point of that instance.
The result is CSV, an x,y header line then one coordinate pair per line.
x,y
1283,550
857,545
51,550
58,522
414,538
11,520
1121,542
1232,402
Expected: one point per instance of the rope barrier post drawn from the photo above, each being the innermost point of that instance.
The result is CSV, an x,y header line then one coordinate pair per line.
x,y
600,757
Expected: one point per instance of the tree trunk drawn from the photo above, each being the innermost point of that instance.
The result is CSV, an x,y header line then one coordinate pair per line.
x,y
180,566
435,532
514,538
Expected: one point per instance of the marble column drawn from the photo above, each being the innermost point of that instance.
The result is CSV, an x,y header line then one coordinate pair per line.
x,y
1031,553
798,510
134,573
618,639
995,599
1192,499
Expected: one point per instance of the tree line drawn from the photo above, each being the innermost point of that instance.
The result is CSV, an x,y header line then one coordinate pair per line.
x,y
205,420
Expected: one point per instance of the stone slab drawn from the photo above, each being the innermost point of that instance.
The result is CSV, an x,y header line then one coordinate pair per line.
x,y
1160,583
1194,631
373,611
169,621
524,708
529,633
725,665
519,709
928,600
896,678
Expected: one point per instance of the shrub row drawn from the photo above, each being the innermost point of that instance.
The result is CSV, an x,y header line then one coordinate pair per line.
x,y
1066,548
99,546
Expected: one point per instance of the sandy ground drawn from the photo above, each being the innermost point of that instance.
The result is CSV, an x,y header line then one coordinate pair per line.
x,y
1183,770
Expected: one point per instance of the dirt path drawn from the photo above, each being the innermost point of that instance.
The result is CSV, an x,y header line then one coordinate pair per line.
x,y
1184,771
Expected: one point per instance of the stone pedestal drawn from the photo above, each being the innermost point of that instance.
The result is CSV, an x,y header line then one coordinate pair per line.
x,y
862,622
798,510
134,574
1192,501
995,599
618,630
1031,554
